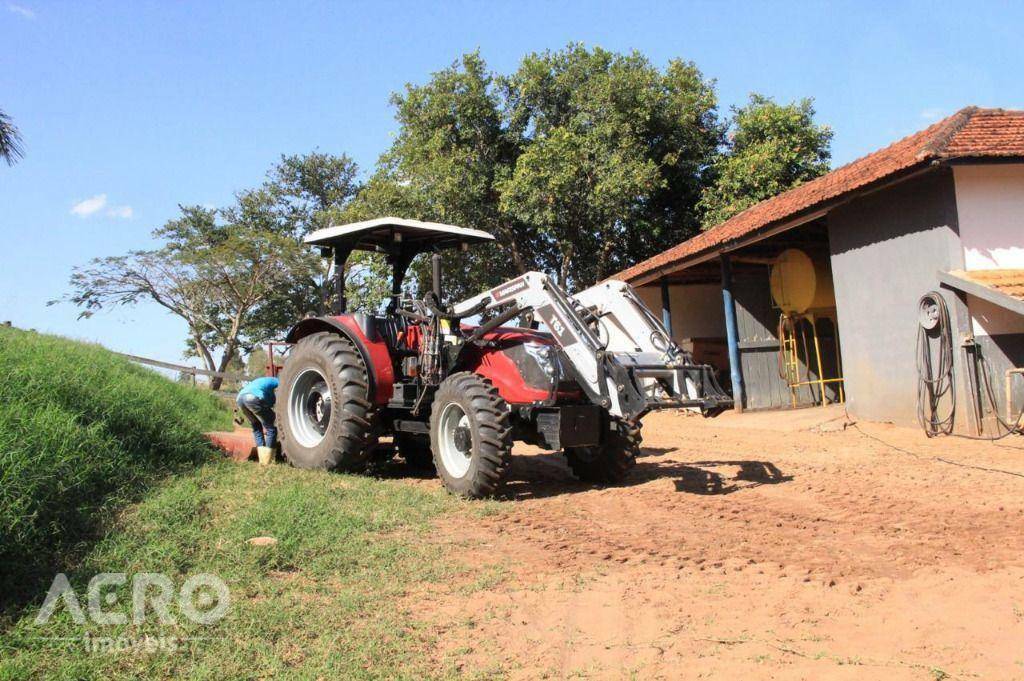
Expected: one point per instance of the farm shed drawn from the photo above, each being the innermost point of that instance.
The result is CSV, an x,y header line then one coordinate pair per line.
x,y
815,295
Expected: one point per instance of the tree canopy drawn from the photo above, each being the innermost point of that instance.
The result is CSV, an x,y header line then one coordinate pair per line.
x,y
579,162
771,148
582,161
612,156
216,275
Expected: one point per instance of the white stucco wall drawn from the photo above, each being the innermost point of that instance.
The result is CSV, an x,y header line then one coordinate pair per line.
x,y
990,211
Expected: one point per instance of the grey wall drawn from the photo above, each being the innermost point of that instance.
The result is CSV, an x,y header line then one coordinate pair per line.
x,y
886,248
1001,352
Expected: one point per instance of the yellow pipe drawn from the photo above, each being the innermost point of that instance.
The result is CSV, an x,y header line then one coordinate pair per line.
x,y
817,358
790,358
816,381
839,363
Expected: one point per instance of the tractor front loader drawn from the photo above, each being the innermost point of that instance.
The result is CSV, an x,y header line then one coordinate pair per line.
x,y
577,376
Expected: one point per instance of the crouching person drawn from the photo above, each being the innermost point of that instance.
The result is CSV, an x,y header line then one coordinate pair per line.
x,y
256,402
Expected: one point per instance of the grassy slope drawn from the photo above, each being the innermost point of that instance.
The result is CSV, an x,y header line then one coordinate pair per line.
x,y
324,602
87,443
82,432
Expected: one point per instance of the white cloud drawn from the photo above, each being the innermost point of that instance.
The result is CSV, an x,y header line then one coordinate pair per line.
x,y
932,114
90,206
94,204
23,11
124,212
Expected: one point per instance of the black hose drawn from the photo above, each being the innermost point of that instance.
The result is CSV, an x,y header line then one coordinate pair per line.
x,y
1008,428
416,317
935,381
430,302
489,326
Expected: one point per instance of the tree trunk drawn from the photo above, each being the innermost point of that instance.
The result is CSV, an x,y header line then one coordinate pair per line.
x,y
517,259
204,354
563,270
508,235
225,360
602,261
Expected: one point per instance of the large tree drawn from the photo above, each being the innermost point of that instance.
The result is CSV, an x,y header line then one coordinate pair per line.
x,y
212,272
613,155
241,275
445,165
580,162
770,148
10,140
303,193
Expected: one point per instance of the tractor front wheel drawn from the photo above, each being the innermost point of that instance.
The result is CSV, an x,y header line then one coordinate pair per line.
x,y
610,462
323,410
470,435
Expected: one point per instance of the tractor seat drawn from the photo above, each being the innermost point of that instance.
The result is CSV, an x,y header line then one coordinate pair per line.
x,y
392,329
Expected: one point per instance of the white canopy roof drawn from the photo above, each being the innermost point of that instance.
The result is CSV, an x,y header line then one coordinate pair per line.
x,y
388,231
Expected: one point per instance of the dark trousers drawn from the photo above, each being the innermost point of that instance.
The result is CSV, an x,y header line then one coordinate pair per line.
x,y
261,418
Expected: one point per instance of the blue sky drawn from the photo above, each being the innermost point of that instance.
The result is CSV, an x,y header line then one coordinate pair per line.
x,y
128,109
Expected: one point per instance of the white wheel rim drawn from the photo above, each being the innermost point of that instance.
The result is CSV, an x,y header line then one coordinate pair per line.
x,y
309,407
455,440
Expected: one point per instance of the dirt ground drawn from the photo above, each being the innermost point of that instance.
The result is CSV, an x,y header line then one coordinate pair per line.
x,y
767,545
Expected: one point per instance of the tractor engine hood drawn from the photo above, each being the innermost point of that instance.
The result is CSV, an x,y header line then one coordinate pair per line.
x,y
523,364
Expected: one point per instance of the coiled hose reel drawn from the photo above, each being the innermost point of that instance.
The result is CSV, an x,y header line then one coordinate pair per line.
x,y
935,383
934,365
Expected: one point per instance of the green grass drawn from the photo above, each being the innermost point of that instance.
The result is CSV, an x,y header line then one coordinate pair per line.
x,y
326,601
103,469
82,433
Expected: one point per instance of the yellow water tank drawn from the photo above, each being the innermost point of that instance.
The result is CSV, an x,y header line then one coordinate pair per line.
x,y
800,283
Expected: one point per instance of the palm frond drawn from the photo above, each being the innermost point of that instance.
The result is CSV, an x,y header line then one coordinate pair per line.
x,y
11,148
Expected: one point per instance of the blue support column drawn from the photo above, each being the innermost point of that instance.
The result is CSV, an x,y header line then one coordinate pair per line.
x,y
666,308
731,335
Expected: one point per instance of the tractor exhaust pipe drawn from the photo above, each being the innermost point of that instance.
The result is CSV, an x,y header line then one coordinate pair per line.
x,y
435,275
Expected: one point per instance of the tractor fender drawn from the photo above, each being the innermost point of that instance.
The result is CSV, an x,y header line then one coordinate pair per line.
x,y
371,347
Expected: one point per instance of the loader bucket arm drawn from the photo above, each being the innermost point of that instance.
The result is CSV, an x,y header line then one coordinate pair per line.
x,y
625,379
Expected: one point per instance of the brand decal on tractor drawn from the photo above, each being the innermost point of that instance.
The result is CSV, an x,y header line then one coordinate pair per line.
x,y
509,290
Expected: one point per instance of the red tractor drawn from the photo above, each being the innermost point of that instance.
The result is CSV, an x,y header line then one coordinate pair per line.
x,y
455,395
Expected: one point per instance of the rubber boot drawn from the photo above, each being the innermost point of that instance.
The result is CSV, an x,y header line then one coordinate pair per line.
x,y
266,455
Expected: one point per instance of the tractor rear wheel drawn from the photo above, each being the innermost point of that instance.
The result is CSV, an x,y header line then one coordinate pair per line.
x,y
611,461
415,450
323,410
470,435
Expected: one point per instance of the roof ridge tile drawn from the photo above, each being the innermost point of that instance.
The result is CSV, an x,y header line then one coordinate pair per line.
x,y
951,126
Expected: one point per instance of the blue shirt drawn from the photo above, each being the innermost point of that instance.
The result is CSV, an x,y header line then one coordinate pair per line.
x,y
263,388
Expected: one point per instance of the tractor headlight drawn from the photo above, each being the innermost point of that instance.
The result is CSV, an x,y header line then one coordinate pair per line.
x,y
544,356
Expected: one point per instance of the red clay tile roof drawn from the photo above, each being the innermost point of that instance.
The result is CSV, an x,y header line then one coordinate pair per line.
x,y
969,133
1007,282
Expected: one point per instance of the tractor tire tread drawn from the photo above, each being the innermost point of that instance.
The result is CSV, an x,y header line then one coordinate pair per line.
x,y
348,452
490,416
611,462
